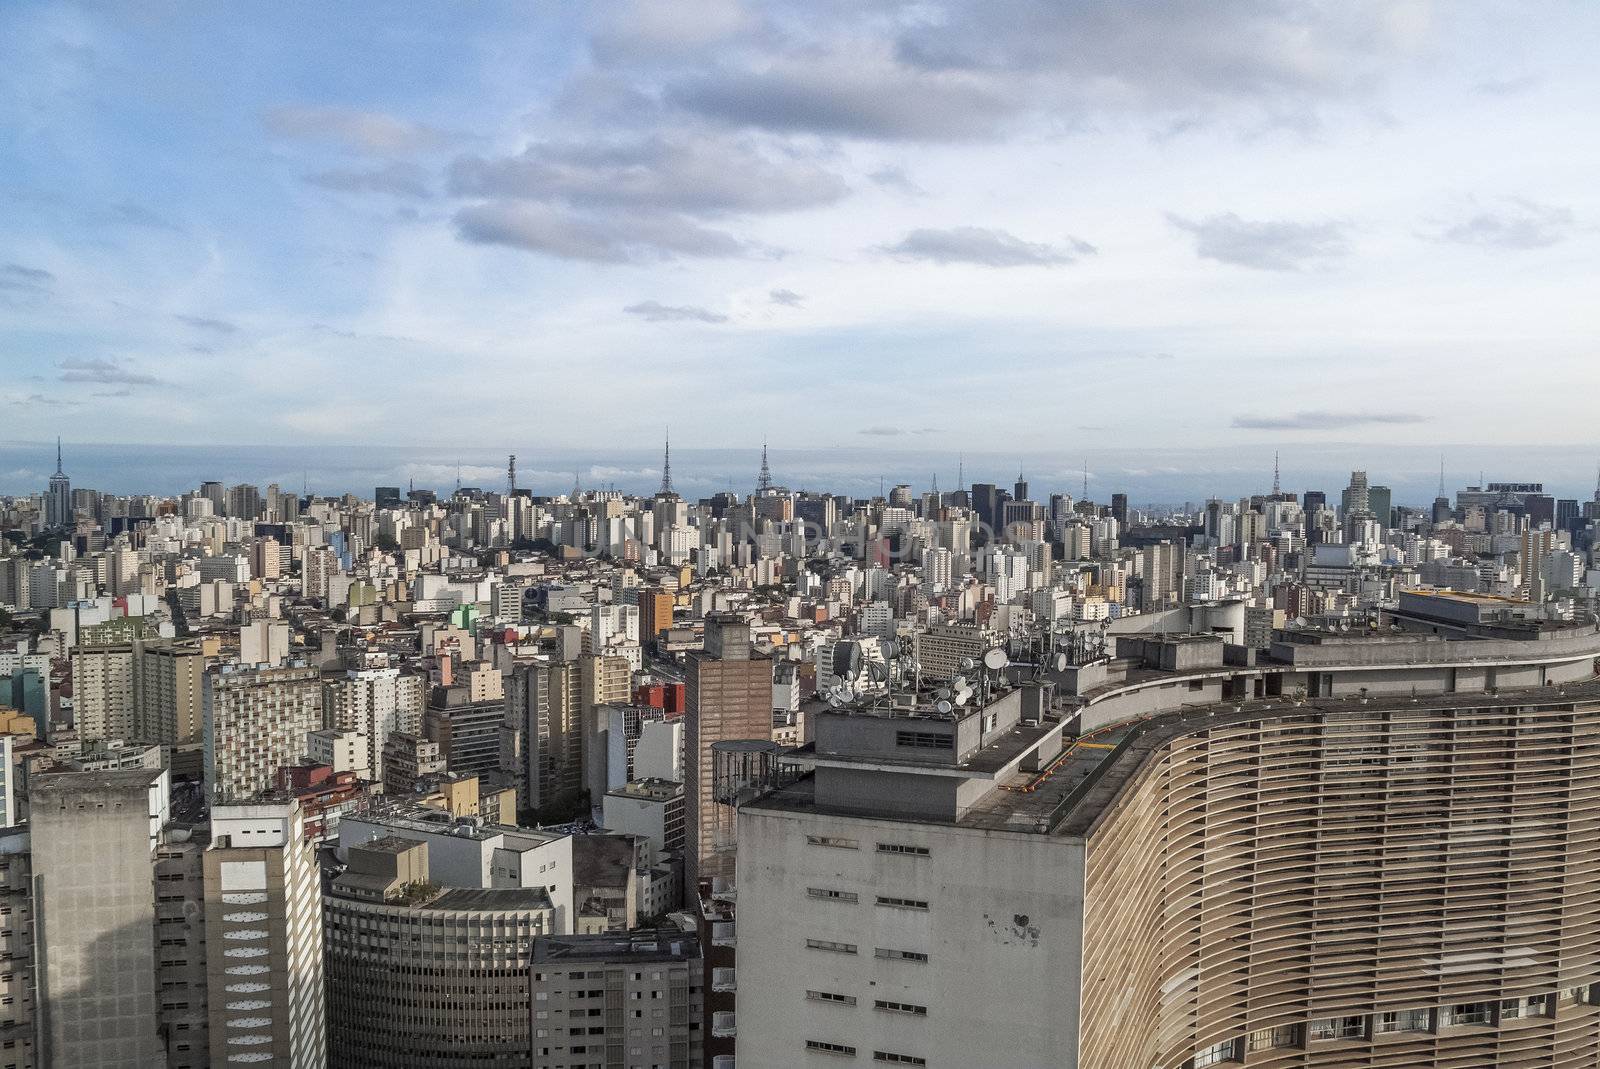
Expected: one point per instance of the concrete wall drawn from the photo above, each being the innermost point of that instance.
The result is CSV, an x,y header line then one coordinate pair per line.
x,y
1003,935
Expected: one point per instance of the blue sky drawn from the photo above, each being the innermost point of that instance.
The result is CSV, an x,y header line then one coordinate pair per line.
x,y
1017,225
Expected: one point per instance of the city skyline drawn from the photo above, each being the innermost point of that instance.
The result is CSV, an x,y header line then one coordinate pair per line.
x,y
1248,225
1165,478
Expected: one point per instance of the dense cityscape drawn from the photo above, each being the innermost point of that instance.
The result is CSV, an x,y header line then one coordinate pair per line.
x,y
799,534
487,777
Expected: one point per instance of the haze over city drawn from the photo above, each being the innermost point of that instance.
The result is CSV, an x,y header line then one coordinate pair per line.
x,y
757,534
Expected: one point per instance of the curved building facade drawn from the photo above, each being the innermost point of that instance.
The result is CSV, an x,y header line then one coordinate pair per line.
x,y
1376,848
444,983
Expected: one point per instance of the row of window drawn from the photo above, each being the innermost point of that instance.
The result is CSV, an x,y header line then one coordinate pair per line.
x,y
829,895
840,843
844,1050
1390,1022
878,1004
851,948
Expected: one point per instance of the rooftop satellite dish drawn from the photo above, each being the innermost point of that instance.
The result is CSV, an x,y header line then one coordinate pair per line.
x,y
891,649
1061,662
996,659
966,664
943,694
959,682
943,708
834,701
963,695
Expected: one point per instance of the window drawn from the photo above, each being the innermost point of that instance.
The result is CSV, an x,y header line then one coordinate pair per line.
x,y
1339,1028
1287,1035
830,1048
898,1059
833,841
831,895
1404,1021
900,955
902,848
1226,1051
1468,1013
829,996
900,1007
924,740
828,944
901,903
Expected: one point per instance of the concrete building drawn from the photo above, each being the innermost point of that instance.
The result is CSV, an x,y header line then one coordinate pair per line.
x,y
651,808
467,853
18,1008
181,946
264,642
729,699
1349,848
342,751
376,702
256,721
409,762
94,837
263,915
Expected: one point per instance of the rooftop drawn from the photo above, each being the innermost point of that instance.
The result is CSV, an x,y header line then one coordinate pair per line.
x,y
667,944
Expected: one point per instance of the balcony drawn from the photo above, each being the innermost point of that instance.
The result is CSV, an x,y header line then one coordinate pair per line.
x,y
722,979
722,1025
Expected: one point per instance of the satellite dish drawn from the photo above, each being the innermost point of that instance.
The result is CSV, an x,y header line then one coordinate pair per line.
x,y
1061,662
967,664
891,649
877,671
996,659
943,708
963,695
959,682
834,702
943,694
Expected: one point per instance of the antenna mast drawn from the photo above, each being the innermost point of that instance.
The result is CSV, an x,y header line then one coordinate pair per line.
x,y
666,464
511,476
1277,488
765,480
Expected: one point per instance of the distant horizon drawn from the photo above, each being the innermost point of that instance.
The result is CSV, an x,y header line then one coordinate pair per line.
x,y
1161,477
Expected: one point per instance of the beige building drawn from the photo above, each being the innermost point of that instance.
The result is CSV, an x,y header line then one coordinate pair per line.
x,y
264,938
728,698
376,702
256,721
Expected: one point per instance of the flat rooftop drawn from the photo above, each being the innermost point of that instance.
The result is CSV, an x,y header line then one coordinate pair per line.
x,y
1071,794
668,944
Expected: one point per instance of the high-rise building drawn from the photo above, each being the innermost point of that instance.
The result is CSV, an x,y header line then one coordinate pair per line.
x,y
1351,851
94,837
1355,497
375,702
58,511
655,613
729,699
263,909
256,721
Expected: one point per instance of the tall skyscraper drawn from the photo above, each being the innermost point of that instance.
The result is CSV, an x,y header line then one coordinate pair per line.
x,y
263,908
58,498
729,699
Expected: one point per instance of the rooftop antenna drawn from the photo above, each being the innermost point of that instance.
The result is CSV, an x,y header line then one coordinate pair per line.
x,y
1441,475
458,475
58,456
1277,487
765,481
935,490
666,464
880,486
1086,478
577,486
961,470
305,483
511,476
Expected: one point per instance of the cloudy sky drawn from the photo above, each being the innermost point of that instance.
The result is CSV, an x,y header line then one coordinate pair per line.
x,y
1228,224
